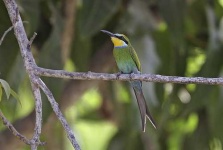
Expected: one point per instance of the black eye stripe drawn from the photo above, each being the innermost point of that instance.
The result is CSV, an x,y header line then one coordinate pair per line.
x,y
122,38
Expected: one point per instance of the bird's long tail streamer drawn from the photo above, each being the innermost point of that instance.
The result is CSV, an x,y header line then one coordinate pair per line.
x,y
144,111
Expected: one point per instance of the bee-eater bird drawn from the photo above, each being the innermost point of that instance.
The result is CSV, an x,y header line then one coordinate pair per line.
x,y
128,62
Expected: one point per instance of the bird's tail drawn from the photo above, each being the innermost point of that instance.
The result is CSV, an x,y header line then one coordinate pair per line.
x,y
144,111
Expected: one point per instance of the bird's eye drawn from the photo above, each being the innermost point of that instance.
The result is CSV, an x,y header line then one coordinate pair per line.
x,y
123,39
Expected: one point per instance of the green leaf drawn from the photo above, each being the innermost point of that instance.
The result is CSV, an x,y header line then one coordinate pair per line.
x,y
6,87
16,96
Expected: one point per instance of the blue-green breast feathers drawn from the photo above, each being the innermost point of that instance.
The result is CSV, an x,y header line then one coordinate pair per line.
x,y
126,59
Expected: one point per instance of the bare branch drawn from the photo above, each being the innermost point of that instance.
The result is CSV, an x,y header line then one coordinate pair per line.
x,y
15,132
29,64
6,32
59,114
126,77
34,72
38,108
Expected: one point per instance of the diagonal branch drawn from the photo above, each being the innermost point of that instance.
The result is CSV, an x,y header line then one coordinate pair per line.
x,y
29,64
35,72
14,131
58,113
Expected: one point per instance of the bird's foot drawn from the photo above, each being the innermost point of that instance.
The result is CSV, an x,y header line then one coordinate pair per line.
x,y
118,75
131,75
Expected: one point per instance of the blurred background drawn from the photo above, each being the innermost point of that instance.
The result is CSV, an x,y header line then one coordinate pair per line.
x,y
174,37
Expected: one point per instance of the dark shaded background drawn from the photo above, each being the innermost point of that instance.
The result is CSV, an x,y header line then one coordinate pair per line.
x,y
174,37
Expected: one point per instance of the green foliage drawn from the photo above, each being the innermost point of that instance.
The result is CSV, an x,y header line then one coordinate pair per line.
x,y
8,91
171,38
95,127
6,88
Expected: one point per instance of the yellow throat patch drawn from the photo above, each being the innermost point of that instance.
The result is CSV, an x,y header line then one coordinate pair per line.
x,y
117,42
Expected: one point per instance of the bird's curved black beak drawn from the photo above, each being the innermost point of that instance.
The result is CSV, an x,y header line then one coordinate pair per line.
x,y
108,33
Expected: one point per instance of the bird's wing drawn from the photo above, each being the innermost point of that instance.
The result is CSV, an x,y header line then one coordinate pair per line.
x,y
135,58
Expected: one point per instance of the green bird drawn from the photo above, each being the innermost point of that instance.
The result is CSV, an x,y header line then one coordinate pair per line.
x,y
128,62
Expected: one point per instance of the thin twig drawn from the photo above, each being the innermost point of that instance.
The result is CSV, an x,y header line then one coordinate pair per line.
x,y
15,132
5,33
32,39
38,101
59,114
126,77
34,73
29,64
